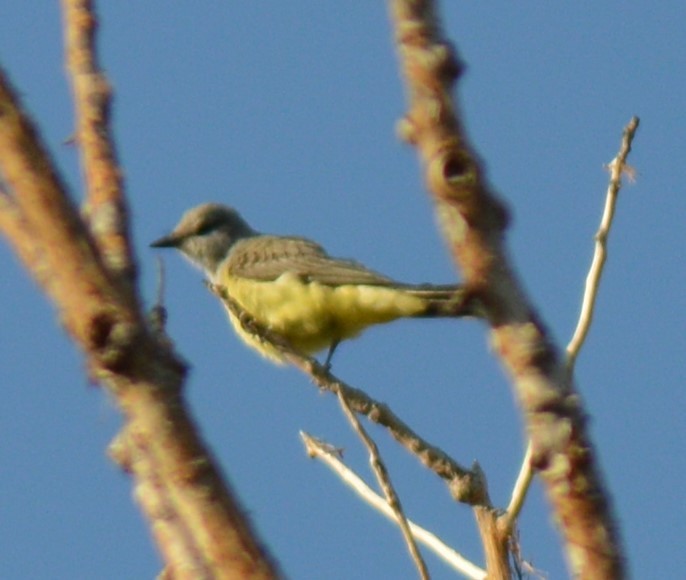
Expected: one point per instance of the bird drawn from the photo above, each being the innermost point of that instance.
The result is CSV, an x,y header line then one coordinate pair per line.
x,y
293,288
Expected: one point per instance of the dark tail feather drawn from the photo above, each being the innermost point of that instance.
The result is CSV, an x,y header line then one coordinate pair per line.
x,y
446,301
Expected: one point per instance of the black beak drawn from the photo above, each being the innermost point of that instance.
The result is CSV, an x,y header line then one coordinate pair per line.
x,y
169,241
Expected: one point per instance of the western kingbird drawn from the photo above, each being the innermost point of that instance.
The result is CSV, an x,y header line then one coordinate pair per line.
x,y
293,288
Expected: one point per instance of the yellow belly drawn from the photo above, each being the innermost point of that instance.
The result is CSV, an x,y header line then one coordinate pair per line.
x,y
311,316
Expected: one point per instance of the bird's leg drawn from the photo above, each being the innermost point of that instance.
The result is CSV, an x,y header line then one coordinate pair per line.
x,y
329,355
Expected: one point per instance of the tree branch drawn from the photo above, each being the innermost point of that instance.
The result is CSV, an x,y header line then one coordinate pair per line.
x,y
617,167
466,485
106,209
384,480
317,449
98,307
473,222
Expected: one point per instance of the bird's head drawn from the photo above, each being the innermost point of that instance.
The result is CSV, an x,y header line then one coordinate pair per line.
x,y
205,234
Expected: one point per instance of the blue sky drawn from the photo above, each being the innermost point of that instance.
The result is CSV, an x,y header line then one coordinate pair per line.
x,y
287,111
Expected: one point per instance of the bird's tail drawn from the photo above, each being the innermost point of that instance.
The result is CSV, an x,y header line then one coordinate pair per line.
x,y
449,300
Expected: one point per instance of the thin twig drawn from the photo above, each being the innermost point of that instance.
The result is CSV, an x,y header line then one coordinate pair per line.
x,y
617,168
384,479
329,457
519,492
158,313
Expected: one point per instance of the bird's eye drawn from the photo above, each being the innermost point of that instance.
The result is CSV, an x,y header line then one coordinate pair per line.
x,y
206,228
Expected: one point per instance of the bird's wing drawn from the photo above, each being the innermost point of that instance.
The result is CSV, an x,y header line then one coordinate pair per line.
x,y
268,257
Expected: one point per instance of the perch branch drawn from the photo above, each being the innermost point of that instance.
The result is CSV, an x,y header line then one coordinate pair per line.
x,y
466,485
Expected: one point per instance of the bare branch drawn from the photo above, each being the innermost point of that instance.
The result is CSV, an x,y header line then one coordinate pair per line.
x,y
182,555
16,229
46,224
467,486
617,168
143,374
473,221
322,451
384,480
521,487
106,210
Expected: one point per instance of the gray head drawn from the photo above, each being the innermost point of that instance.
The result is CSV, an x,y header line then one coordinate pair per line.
x,y
206,233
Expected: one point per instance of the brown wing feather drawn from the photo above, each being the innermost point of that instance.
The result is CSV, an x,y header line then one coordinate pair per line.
x,y
266,258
